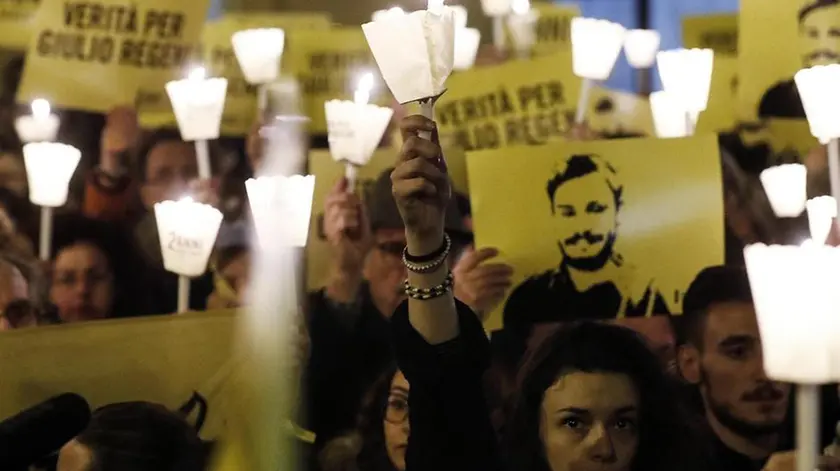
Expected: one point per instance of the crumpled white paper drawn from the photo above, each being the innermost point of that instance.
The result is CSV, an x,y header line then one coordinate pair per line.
x,y
355,130
414,52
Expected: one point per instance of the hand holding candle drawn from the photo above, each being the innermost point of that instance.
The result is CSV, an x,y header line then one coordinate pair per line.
x,y
40,126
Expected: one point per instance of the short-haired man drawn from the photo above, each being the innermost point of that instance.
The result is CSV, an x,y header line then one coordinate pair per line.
x,y
819,44
585,198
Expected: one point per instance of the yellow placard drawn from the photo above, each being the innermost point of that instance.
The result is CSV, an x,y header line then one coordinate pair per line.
x,y
722,111
717,32
327,173
515,103
156,359
328,64
790,137
604,229
288,20
615,113
94,56
16,18
554,27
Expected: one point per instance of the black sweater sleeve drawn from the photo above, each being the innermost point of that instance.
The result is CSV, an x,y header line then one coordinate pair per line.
x,y
449,417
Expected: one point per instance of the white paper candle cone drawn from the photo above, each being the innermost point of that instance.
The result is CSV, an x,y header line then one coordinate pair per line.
x,y
355,130
796,297
821,213
198,104
49,168
382,14
595,47
687,74
522,27
460,16
414,52
668,116
785,186
187,231
39,126
258,52
281,207
466,47
495,8
821,99
640,47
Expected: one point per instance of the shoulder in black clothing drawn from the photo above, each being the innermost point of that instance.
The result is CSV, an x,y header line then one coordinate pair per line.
x,y
781,101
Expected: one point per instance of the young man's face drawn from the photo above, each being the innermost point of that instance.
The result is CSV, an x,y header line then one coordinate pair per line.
x,y
170,166
584,216
819,36
730,373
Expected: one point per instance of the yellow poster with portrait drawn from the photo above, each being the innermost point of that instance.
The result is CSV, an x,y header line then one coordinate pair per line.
x,y
216,54
604,229
95,55
328,65
327,174
163,359
718,32
16,22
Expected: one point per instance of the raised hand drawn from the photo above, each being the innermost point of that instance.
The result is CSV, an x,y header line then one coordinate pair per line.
x,y
347,229
481,285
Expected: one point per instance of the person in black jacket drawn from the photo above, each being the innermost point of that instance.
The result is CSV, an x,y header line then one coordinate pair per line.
x,y
593,398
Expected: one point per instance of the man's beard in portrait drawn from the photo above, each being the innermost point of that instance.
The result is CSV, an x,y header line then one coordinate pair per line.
x,y
595,262
726,416
822,56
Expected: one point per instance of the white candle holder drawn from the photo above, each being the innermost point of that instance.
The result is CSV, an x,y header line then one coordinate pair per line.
x,y
822,211
785,186
686,74
282,208
355,130
668,116
641,46
49,168
522,23
40,126
258,52
380,15
796,298
596,45
467,41
460,15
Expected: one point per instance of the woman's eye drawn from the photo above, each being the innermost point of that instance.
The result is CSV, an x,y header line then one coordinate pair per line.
x,y
625,424
397,404
572,422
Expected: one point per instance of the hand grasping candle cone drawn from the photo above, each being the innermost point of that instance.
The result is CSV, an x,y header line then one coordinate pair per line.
x,y
596,45
198,103
415,53
522,23
785,186
822,211
668,116
49,168
258,52
40,126
355,128
281,207
795,296
187,231
686,75
640,47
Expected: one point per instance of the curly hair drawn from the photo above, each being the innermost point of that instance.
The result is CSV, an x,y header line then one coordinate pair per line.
x,y
665,438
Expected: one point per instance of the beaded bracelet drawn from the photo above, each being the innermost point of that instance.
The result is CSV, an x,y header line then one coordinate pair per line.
x,y
425,294
431,265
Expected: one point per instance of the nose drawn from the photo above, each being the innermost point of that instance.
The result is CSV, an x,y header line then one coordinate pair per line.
x,y
601,447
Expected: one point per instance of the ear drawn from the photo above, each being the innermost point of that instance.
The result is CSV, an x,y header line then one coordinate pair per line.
x,y
688,360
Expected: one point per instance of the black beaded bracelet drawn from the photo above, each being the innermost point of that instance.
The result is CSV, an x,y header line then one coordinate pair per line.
x,y
422,259
425,294
432,264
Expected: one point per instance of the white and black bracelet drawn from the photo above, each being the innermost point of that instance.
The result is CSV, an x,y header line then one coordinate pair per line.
x,y
428,263
425,294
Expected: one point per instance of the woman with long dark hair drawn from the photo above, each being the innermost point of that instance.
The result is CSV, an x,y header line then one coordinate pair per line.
x,y
593,397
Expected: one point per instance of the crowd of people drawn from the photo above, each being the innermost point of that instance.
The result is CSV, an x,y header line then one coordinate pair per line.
x,y
400,375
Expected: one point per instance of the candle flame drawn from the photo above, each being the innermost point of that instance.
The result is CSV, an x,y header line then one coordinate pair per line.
x,y
198,73
185,200
366,82
520,7
435,6
40,108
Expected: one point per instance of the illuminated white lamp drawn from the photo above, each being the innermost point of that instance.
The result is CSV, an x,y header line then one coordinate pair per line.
x,y
668,116
822,211
596,45
41,125
785,186
258,52
282,208
686,75
641,46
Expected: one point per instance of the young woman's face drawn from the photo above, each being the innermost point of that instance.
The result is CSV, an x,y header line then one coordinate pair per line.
x,y
589,422
396,421
82,283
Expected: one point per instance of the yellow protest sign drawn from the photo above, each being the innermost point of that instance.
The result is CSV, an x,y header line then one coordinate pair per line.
x,y
518,102
722,111
328,64
791,137
157,359
327,173
95,55
16,17
288,20
553,28
614,113
717,32
604,229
